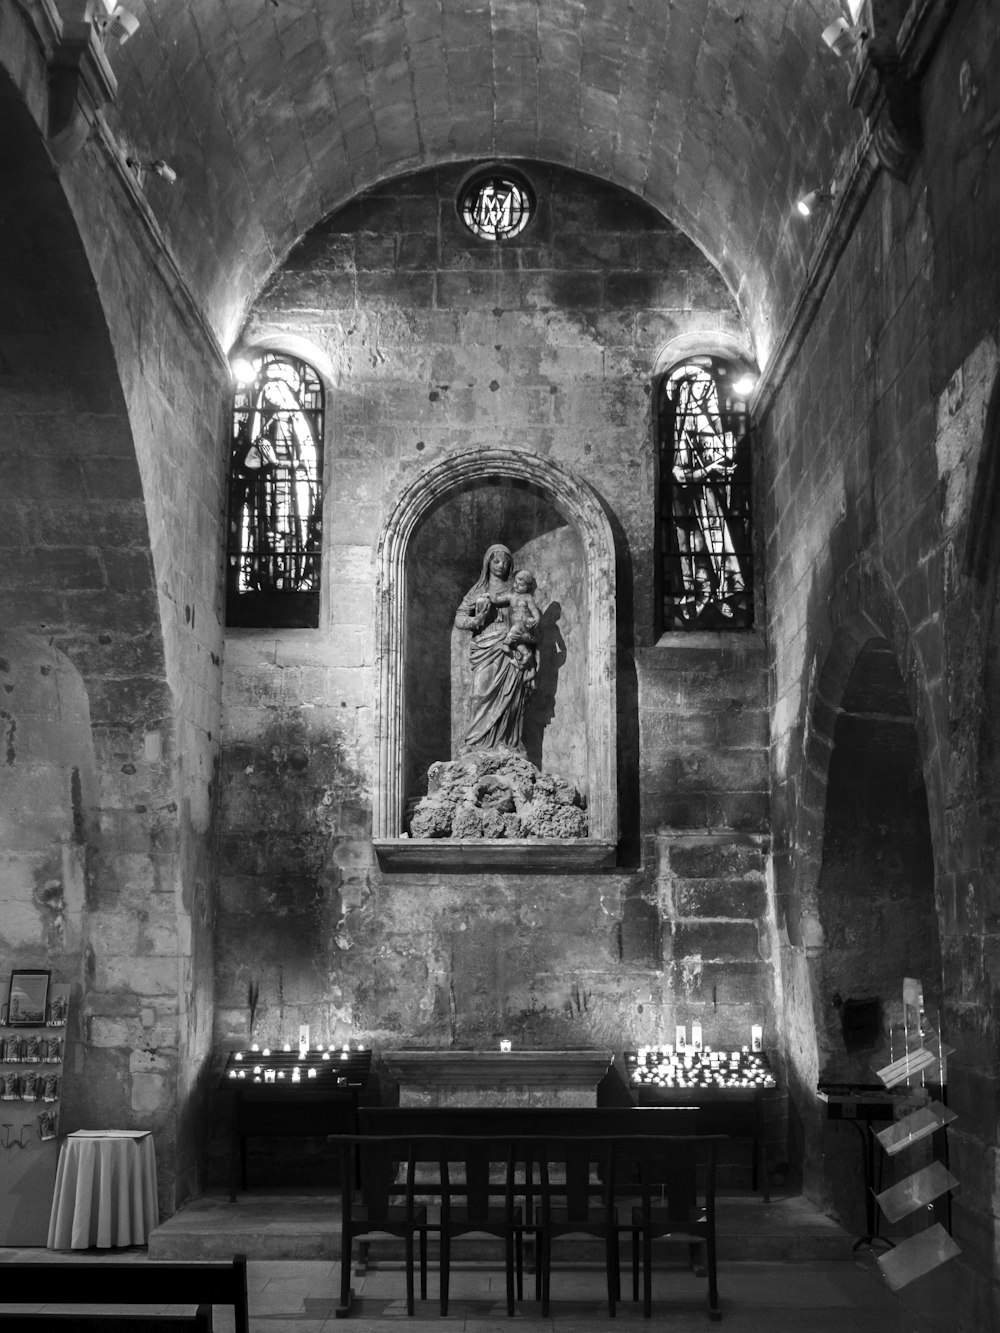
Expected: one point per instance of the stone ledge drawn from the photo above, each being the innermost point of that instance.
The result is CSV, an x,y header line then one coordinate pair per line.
x,y
430,1067
458,854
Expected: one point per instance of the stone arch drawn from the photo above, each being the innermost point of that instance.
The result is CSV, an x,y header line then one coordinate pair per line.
x,y
585,515
703,342
80,578
863,862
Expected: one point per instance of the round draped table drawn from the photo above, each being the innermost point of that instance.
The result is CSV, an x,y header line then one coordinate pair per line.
x,y
105,1192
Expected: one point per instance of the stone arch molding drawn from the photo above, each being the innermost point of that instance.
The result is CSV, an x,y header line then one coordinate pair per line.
x,y
581,508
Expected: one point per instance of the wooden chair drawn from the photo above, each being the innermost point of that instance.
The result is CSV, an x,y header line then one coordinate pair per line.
x,y
576,1186
675,1181
478,1184
383,1208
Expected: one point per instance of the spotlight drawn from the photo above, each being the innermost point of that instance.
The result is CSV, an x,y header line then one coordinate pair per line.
x,y
243,370
808,204
841,38
745,386
158,167
164,169
118,23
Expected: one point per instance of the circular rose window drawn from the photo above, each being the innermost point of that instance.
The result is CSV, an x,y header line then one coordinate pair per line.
x,y
496,206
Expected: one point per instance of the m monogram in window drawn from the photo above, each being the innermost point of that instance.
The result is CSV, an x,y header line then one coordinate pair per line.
x,y
497,206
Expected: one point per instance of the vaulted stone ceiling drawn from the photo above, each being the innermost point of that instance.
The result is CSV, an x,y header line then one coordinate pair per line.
x,y
275,112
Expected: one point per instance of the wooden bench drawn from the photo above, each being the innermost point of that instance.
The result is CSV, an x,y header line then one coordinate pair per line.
x,y
105,1285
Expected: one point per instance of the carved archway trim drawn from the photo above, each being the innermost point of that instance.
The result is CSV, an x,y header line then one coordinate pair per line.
x,y
581,508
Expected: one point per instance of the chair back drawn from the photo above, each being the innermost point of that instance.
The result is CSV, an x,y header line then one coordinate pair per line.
x,y
672,1174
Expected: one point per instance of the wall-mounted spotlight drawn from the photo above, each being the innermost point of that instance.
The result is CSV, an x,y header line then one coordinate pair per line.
x,y
841,38
243,370
117,22
808,204
158,167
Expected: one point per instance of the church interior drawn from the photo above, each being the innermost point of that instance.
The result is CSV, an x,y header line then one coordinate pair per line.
x,y
501,524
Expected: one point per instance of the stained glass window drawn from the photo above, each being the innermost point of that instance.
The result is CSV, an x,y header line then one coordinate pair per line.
x,y
706,549
275,496
497,206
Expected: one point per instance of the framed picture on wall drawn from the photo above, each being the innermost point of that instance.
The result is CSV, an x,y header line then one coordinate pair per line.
x,y
28,998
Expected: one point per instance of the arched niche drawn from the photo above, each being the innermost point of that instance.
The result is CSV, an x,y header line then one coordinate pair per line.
x,y
429,554
874,913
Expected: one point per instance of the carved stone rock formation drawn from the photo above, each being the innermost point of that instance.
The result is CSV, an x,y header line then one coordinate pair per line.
x,y
497,794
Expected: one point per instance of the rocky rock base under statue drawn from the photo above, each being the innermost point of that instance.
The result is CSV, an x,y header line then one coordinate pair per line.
x,y
497,794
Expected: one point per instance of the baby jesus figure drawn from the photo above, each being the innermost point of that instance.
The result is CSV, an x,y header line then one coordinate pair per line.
x,y
522,636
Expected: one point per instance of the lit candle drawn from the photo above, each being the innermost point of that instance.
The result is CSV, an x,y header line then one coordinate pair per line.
x,y
696,1036
757,1037
255,1047
682,1038
505,1044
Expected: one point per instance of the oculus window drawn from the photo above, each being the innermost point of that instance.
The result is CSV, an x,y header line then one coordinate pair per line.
x,y
274,537
705,534
496,205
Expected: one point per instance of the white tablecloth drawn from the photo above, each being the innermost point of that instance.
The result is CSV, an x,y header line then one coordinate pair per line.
x,y
105,1191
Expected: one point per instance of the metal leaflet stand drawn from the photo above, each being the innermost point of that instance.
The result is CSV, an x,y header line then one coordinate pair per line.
x,y
925,1056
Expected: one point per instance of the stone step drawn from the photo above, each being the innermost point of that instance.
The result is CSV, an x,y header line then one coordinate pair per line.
x,y
267,1224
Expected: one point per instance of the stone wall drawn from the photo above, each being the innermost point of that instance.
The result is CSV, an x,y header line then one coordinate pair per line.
x,y
873,446
437,343
110,393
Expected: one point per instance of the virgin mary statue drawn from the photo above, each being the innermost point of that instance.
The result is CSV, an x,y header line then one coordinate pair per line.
x,y
501,681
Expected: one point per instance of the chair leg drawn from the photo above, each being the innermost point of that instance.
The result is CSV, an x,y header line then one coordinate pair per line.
x,y
519,1262
508,1255
635,1263
611,1264
545,1270
714,1309
647,1272
409,1272
445,1265
345,1276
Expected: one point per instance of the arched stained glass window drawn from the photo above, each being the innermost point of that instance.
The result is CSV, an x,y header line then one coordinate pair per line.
x,y
706,548
276,497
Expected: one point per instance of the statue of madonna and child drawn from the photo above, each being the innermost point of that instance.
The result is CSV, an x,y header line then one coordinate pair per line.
x,y
492,790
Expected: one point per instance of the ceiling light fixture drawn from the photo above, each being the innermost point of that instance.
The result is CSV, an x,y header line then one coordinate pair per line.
x,y
841,38
118,22
808,204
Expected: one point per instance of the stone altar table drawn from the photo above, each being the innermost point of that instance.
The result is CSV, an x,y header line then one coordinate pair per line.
x,y
453,1077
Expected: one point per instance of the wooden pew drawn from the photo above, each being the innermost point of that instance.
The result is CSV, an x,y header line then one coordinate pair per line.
x,y
105,1285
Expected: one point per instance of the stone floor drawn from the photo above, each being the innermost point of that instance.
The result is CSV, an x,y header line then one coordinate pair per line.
x,y
796,1273
805,1296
